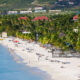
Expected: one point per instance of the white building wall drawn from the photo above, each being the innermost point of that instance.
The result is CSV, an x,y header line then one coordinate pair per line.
x,y
54,11
38,8
25,12
42,11
12,12
4,34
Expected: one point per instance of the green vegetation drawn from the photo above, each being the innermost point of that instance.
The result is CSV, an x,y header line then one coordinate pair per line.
x,y
58,30
13,5
47,4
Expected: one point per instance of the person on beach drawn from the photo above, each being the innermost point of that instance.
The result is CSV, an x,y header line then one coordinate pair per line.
x,y
53,52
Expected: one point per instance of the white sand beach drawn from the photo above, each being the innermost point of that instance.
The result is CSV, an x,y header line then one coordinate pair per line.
x,y
35,56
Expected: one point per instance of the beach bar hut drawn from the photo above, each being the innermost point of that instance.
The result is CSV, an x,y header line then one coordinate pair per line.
x,y
4,34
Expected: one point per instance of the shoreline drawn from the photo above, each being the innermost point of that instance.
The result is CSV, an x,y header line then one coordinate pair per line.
x,y
36,70
35,56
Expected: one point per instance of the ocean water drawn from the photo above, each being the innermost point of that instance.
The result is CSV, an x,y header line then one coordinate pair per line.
x,y
10,70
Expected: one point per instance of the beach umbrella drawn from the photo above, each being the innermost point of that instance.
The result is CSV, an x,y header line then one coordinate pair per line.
x,y
16,41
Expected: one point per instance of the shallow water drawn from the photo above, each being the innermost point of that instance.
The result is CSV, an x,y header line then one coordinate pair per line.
x,y
10,70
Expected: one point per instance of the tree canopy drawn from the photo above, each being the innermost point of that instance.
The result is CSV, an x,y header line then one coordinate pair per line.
x,y
59,30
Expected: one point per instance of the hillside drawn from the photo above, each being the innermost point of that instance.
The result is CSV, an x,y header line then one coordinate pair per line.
x,y
50,4
16,4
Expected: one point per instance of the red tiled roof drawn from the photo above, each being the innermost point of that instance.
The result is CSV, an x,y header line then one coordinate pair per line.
x,y
40,18
22,18
75,17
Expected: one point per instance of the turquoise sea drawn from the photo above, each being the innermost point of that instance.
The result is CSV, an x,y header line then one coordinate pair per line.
x,y
10,70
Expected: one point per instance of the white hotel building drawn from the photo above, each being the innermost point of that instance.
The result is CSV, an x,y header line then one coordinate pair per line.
x,y
25,12
12,12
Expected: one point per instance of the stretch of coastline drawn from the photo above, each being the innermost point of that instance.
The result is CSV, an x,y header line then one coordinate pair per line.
x,y
33,55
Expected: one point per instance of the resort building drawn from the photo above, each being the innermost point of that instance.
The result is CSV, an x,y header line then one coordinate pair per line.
x,y
40,11
4,34
25,12
38,8
71,3
54,11
12,12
